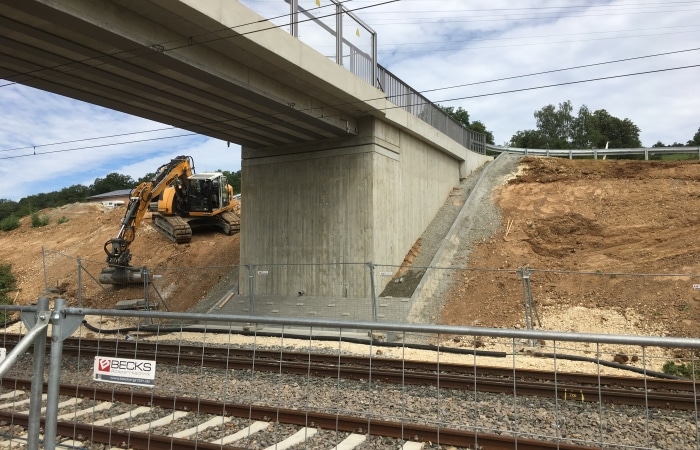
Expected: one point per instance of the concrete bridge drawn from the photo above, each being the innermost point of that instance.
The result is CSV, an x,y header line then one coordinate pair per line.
x,y
333,170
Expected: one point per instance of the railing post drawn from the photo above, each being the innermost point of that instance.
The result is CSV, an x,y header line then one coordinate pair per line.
x,y
294,18
339,34
372,291
37,388
62,327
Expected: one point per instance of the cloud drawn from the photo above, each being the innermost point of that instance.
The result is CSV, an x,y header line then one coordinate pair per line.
x,y
51,142
429,45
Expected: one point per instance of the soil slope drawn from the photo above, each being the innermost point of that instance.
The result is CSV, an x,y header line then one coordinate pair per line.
x,y
183,273
593,232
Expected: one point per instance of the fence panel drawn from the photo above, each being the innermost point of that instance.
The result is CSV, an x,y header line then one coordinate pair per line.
x,y
138,378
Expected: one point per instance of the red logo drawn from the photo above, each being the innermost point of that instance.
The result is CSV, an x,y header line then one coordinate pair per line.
x,y
104,365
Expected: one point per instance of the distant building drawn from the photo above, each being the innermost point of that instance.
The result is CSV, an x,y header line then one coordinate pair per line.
x,y
112,199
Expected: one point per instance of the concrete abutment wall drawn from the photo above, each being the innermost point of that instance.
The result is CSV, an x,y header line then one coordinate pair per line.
x,y
314,214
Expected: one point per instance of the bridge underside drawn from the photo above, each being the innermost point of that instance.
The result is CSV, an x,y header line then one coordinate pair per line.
x,y
172,63
333,173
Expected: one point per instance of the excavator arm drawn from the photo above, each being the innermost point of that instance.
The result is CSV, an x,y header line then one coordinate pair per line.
x,y
117,248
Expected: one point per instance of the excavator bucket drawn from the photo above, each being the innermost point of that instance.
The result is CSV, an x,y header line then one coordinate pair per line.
x,y
122,275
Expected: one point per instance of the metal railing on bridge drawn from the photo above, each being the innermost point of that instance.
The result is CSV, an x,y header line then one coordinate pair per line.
x,y
595,152
354,46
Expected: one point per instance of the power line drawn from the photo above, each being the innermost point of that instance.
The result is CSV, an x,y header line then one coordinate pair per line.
x,y
34,147
160,47
512,9
563,70
397,107
571,82
529,44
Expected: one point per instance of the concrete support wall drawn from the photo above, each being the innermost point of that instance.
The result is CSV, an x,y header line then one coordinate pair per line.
x,y
314,215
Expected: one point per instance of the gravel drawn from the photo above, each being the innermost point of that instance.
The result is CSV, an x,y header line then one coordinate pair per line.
x,y
584,423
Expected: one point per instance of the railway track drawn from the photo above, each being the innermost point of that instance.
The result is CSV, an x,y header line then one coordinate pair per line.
x,y
141,420
142,417
572,387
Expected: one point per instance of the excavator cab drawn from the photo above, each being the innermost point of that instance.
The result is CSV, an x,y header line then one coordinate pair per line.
x,y
208,193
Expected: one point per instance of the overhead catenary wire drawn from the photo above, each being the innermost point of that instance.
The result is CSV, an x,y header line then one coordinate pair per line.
x,y
395,107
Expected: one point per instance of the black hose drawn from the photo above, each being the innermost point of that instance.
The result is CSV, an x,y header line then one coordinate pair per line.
x,y
460,351
161,330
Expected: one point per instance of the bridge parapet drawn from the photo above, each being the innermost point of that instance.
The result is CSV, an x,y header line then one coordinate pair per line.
x,y
355,48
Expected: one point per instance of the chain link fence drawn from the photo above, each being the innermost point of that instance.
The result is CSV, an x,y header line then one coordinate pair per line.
x,y
141,379
526,297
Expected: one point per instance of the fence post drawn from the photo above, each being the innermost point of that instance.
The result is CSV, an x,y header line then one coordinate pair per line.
x,y
80,283
145,278
251,283
37,387
62,327
372,291
524,273
43,264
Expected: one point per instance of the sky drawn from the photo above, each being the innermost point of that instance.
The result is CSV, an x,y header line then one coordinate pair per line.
x,y
453,51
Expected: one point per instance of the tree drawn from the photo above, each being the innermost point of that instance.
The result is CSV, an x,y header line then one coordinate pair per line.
x,y
462,116
234,179
150,176
528,139
696,139
459,114
479,127
557,128
112,182
555,124
7,208
616,133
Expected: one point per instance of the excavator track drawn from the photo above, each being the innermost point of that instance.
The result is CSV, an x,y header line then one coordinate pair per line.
x,y
232,221
174,228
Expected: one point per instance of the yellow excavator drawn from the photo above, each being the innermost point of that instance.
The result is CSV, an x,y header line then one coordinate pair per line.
x,y
179,200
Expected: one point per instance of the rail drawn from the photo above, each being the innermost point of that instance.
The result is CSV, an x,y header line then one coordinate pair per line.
x,y
594,152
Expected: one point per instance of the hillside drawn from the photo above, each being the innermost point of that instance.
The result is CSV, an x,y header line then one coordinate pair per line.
x,y
608,241
185,273
595,231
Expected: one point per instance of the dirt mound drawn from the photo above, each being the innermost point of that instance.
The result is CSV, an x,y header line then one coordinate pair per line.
x,y
183,274
602,235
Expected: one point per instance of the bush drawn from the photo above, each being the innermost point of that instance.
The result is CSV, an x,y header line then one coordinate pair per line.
x,y
681,370
9,223
63,219
39,221
8,283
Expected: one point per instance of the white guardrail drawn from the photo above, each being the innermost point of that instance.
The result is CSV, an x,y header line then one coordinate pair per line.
x,y
594,152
